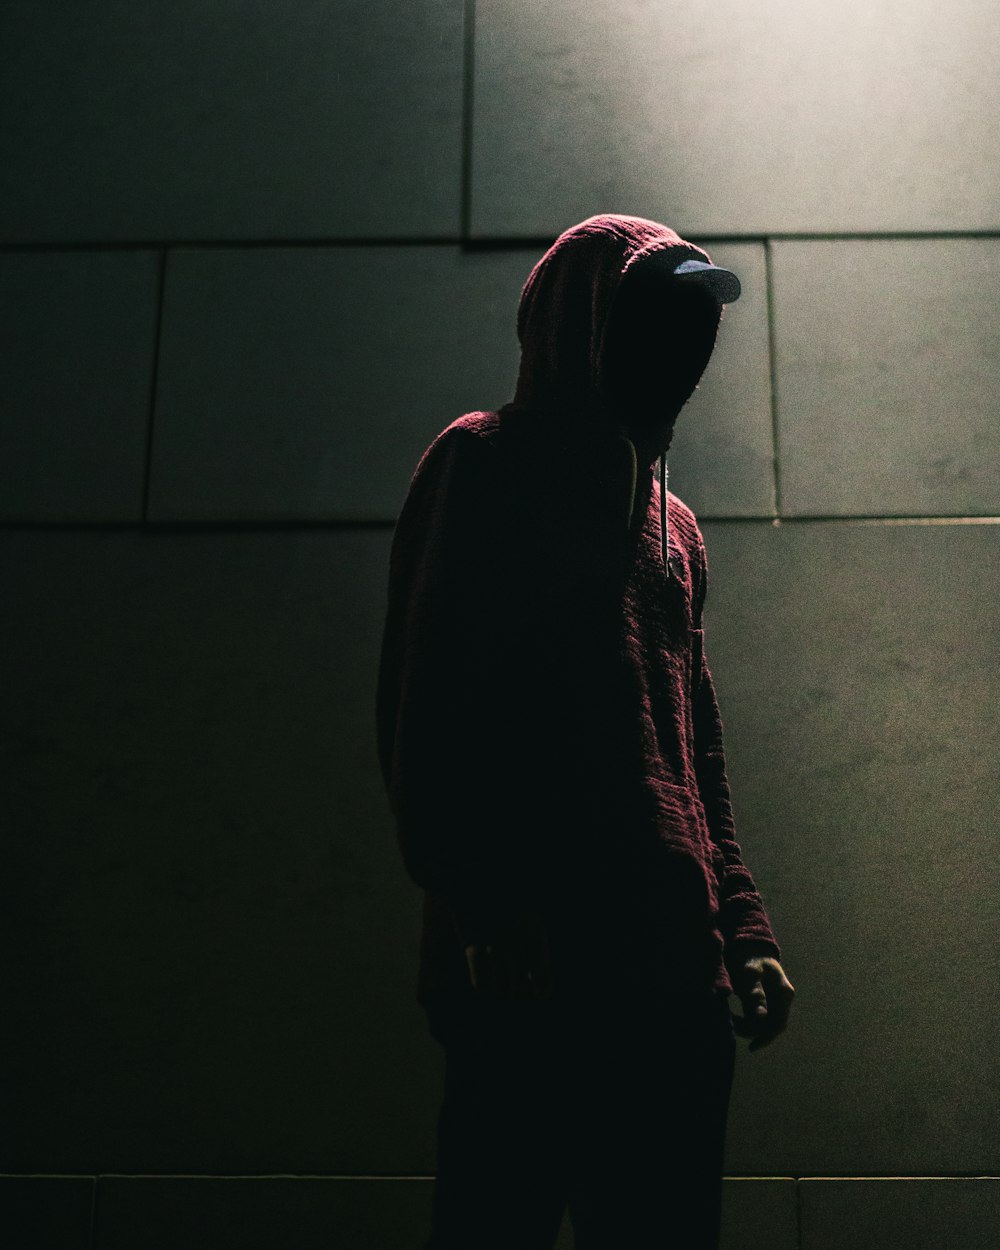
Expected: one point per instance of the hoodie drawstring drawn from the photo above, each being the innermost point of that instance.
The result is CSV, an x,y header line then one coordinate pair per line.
x,y
664,524
633,480
664,532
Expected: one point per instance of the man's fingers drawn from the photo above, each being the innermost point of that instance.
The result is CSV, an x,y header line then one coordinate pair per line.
x,y
755,1001
765,1008
516,965
779,1007
747,1026
779,995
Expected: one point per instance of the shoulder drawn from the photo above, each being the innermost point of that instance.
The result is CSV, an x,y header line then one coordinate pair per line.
x,y
454,475
466,440
481,427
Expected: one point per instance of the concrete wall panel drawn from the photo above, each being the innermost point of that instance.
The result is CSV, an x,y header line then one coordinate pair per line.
x,y
306,383
211,119
899,1212
211,965
76,367
855,666
735,119
888,376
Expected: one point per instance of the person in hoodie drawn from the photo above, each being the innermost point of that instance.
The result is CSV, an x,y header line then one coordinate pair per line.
x,y
551,745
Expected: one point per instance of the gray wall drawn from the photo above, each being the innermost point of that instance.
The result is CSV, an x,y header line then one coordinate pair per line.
x,y
235,306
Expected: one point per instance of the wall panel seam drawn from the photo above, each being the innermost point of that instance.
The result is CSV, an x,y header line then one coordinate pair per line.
x,y
153,380
772,359
480,243
468,104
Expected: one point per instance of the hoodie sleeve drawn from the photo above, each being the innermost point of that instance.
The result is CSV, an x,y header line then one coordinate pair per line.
x,y
437,699
743,918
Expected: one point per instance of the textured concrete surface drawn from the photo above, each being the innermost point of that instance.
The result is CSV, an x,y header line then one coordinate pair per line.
x,y
887,383
736,119
230,121
76,369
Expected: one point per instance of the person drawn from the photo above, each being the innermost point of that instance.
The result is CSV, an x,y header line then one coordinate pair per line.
x,y
551,744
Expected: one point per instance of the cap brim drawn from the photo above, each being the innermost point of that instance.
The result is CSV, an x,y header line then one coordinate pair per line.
x,y
723,283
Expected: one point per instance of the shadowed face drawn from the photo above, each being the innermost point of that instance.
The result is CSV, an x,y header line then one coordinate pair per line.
x,y
660,336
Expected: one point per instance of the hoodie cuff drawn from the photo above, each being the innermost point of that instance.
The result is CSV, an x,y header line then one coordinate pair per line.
x,y
739,949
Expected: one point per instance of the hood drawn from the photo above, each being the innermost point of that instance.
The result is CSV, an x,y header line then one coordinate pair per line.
x,y
566,304
562,324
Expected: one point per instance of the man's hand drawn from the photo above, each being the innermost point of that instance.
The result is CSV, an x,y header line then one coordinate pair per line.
x,y
516,962
766,994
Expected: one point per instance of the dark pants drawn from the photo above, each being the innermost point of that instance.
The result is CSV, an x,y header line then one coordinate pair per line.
x,y
616,1106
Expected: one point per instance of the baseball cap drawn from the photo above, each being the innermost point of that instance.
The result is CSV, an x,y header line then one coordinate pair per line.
x,y
723,283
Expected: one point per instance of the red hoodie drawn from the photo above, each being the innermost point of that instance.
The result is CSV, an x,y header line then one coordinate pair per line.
x,y
547,724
